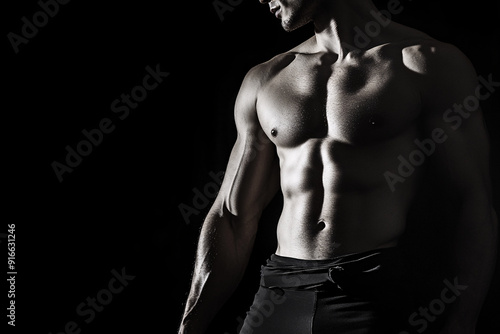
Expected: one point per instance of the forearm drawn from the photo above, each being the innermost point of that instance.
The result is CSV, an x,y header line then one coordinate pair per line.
x,y
473,263
222,256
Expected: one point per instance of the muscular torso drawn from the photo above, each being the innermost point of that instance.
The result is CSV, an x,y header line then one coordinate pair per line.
x,y
337,127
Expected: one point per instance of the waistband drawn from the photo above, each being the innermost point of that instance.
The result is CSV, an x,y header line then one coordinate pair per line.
x,y
285,272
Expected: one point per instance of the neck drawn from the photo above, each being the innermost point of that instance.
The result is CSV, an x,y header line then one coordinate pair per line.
x,y
338,25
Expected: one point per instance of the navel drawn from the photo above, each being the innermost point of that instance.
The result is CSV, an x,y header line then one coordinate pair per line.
x,y
321,224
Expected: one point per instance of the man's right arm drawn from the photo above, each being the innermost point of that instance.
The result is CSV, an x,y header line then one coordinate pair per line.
x,y
228,232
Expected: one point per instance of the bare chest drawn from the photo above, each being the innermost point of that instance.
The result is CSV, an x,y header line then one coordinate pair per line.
x,y
354,103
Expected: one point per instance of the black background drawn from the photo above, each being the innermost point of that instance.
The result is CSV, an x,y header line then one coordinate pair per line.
x,y
120,207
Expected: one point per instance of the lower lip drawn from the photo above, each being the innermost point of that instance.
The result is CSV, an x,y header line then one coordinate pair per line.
x,y
278,13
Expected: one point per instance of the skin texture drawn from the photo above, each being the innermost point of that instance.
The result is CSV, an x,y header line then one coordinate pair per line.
x,y
322,123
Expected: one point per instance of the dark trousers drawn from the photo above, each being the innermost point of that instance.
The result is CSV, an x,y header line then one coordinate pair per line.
x,y
369,292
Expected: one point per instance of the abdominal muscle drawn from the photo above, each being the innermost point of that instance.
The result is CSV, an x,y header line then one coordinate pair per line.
x,y
336,200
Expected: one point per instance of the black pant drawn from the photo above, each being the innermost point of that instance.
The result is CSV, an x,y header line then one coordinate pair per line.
x,y
368,292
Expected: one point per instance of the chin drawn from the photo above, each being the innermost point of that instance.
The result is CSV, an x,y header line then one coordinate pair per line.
x,y
291,25
287,27
294,19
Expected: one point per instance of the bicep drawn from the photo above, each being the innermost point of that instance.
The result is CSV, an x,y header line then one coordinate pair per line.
x,y
251,177
252,174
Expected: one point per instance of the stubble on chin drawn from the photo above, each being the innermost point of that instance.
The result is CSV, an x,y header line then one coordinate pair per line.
x,y
290,25
296,19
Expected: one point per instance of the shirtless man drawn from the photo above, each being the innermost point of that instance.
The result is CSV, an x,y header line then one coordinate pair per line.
x,y
324,122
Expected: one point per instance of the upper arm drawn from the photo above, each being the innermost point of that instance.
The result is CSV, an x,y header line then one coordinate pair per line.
x,y
251,178
453,120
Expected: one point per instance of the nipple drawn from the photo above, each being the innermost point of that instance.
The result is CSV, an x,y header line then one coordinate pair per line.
x,y
375,121
274,132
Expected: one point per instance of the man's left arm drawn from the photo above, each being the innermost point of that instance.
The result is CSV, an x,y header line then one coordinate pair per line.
x,y
453,117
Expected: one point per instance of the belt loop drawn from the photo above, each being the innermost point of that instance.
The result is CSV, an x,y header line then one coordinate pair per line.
x,y
335,270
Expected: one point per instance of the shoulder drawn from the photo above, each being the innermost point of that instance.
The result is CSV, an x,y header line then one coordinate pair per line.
x,y
445,74
260,74
434,59
254,80
439,64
